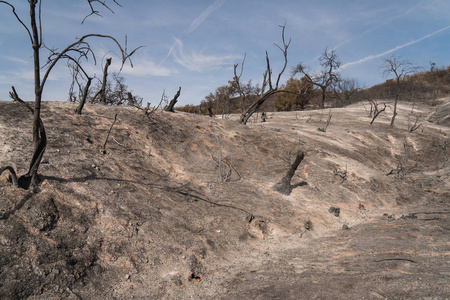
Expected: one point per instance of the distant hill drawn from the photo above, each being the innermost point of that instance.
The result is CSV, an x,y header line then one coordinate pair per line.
x,y
422,86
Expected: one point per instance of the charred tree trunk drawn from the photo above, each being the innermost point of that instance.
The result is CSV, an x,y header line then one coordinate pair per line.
x,y
109,132
284,186
130,101
105,76
256,106
83,100
173,101
40,144
397,96
210,112
13,177
324,92
39,137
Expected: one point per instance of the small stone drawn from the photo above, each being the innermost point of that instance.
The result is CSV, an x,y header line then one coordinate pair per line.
x,y
335,211
345,227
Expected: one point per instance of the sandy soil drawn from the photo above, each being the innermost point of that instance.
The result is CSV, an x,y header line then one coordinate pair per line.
x,y
151,218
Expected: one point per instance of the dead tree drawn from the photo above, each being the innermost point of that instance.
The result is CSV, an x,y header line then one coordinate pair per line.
x,y
109,132
413,127
399,169
374,110
173,101
325,79
79,48
102,92
210,112
267,81
76,70
284,186
324,129
400,68
263,117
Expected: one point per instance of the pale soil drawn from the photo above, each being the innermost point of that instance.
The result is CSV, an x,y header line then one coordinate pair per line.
x,y
150,219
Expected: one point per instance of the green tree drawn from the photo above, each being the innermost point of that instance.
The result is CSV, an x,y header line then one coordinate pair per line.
x,y
300,92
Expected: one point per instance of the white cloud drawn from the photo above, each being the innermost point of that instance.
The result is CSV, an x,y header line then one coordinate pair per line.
x,y
17,60
374,56
196,61
145,67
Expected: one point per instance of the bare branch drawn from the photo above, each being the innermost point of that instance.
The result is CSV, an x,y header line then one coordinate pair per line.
x,y
96,12
16,97
86,49
284,50
18,19
109,132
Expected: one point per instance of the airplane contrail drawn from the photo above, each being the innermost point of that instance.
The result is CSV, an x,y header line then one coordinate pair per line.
x,y
204,15
194,25
364,33
374,56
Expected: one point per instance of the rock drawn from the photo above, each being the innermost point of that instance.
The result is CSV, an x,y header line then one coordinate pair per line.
x,y
335,211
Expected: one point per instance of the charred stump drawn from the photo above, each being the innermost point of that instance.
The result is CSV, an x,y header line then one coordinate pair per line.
x,y
284,186
173,101
105,76
83,100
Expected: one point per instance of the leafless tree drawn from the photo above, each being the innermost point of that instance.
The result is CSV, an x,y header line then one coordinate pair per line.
x,y
413,126
324,129
102,91
344,91
327,76
374,110
82,91
399,171
267,81
224,164
73,52
400,68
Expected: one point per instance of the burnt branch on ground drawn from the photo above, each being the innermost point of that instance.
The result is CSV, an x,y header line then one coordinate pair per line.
x,y
284,186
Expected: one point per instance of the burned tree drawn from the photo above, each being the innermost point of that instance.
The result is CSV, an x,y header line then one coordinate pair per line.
x,y
173,101
102,91
267,81
329,74
284,186
84,96
82,91
374,110
79,48
400,68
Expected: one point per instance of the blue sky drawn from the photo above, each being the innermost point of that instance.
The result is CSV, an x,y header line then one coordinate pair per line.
x,y
194,44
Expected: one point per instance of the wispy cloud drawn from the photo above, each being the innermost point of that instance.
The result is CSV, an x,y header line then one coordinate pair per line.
x,y
197,61
364,33
204,15
195,24
16,60
375,56
146,67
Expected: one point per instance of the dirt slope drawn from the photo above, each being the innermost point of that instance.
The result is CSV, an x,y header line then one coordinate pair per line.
x,y
151,218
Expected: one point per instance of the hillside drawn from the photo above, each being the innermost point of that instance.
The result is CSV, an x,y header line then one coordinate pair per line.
x,y
151,219
425,86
